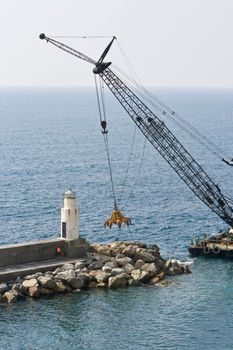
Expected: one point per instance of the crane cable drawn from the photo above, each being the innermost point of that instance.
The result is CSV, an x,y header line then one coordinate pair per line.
x,y
195,134
167,111
128,164
132,190
102,115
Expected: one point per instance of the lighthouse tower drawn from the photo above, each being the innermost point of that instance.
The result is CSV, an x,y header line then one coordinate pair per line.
x,y
70,217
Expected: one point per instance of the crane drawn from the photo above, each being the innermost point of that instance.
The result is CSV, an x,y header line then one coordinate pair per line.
x,y
158,134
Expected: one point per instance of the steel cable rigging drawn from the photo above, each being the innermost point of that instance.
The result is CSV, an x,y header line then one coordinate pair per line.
x,y
169,113
117,218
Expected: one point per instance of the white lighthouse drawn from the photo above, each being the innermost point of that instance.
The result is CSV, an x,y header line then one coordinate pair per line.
x,y
70,217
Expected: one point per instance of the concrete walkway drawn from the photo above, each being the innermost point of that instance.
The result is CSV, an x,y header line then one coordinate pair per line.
x,y
12,272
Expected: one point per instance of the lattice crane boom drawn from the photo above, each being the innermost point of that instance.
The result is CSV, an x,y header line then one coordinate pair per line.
x,y
160,137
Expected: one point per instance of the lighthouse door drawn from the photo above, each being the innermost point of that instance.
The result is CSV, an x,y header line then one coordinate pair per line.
x,y
63,230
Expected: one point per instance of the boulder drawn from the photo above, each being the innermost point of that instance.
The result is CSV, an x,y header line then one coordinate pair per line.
x,y
3,299
104,250
114,251
142,254
175,271
106,269
150,268
76,283
66,275
10,297
92,284
129,268
4,288
46,282
60,288
38,274
86,278
67,266
111,264
95,247
93,273
129,251
29,277
117,271
102,277
133,283
95,265
79,265
138,264
117,282
18,288
123,261
155,280
161,275
34,292
45,291
30,283
141,276
168,264
69,289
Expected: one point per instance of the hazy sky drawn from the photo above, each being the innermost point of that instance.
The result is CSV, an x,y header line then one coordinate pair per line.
x,y
168,42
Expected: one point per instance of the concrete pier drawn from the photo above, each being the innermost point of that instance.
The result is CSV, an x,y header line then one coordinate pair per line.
x,y
27,252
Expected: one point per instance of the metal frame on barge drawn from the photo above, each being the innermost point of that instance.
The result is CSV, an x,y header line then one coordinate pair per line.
x,y
220,245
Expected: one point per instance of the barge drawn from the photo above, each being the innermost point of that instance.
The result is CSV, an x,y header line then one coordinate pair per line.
x,y
217,246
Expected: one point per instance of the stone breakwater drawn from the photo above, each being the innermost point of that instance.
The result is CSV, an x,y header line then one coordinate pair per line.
x,y
113,265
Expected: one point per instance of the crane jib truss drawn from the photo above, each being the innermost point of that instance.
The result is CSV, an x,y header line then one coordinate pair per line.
x,y
160,137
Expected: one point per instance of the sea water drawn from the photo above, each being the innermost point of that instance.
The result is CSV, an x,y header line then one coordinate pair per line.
x,y
51,141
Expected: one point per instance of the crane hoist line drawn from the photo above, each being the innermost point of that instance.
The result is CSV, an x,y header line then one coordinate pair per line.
x,y
158,134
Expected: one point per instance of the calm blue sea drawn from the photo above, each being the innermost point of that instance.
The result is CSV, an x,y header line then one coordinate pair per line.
x,y
50,140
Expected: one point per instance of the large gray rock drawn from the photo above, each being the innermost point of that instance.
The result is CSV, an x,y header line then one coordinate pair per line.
x,y
133,283
117,271
138,264
129,268
67,266
79,265
30,283
102,277
66,275
45,291
76,283
18,288
150,268
102,258
106,269
118,281
141,276
114,251
111,264
142,254
86,278
4,288
129,251
96,265
123,261
47,282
